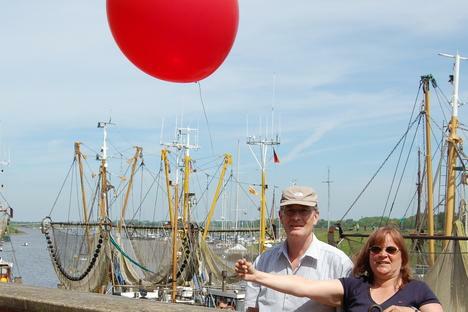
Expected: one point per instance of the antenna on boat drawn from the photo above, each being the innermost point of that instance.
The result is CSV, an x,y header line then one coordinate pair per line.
x,y
328,181
237,189
6,162
183,144
103,153
454,79
162,132
453,140
102,156
263,143
273,100
3,161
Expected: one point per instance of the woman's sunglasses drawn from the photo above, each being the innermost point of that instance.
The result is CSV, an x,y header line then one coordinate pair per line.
x,y
391,250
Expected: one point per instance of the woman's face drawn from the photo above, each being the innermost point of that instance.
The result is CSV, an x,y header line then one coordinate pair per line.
x,y
385,260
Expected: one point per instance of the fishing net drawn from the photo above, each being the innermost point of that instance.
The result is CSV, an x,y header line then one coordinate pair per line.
x,y
4,218
145,257
448,277
80,255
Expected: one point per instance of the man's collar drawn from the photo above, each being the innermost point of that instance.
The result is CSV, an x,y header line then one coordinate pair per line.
x,y
312,251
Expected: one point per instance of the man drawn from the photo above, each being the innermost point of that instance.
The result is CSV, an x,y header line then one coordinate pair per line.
x,y
301,254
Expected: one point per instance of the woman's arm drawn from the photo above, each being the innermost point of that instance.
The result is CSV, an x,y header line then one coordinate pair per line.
x,y
430,307
329,292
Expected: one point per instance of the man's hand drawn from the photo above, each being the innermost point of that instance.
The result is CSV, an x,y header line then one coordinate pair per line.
x,y
245,270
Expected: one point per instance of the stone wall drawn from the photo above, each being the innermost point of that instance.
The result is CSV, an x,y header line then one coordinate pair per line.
x,y
16,298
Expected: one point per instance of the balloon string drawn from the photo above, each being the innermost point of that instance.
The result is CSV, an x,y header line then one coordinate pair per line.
x,y
206,117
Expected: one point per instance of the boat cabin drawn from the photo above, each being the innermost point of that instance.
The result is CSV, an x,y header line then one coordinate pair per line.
x,y
5,272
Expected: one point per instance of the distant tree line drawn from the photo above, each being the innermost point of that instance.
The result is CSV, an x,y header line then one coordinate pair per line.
x,y
369,223
362,224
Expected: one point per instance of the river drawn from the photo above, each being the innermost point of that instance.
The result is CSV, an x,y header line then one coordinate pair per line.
x,y
33,262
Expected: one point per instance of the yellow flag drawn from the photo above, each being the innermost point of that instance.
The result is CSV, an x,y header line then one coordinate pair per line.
x,y
252,190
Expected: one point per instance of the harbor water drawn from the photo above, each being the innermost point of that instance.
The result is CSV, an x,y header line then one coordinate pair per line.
x,y
32,262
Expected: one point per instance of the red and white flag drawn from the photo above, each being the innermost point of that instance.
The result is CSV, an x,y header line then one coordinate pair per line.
x,y
275,157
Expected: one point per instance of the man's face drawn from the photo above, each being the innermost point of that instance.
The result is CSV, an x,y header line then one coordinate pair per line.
x,y
298,220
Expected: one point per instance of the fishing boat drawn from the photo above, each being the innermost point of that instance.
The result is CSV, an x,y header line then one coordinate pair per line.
x,y
79,247
6,267
439,246
6,213
109,249
7,274
448,275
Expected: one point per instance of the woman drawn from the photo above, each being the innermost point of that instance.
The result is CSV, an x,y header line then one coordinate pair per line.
x,y
381,280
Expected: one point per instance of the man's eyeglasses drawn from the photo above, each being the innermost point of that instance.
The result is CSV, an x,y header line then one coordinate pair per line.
x,y
391,250
303,212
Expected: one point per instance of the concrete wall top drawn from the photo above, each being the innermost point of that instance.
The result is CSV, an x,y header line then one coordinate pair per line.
x,y
15,298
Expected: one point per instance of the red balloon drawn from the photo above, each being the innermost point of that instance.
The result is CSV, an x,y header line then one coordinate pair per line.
x,y
174,40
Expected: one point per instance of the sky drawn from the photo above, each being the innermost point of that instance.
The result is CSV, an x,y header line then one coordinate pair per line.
x,y
341,78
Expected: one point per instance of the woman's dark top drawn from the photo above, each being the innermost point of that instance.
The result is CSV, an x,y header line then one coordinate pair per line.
x,y
357,296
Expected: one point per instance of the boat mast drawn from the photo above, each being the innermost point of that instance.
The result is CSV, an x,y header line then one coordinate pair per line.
x,y
102,156
103,200
237,188
138,151
164,153
429,178
417,222
187,170
453,140
227,161
175,232
263,143
182,142
79,157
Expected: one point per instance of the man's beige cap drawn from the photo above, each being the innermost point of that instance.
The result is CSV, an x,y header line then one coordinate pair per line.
x,y
299,195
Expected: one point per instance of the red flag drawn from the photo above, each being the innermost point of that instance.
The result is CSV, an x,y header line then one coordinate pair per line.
x,y
275,157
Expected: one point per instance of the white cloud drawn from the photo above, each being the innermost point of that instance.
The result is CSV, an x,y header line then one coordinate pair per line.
x,y
316,135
